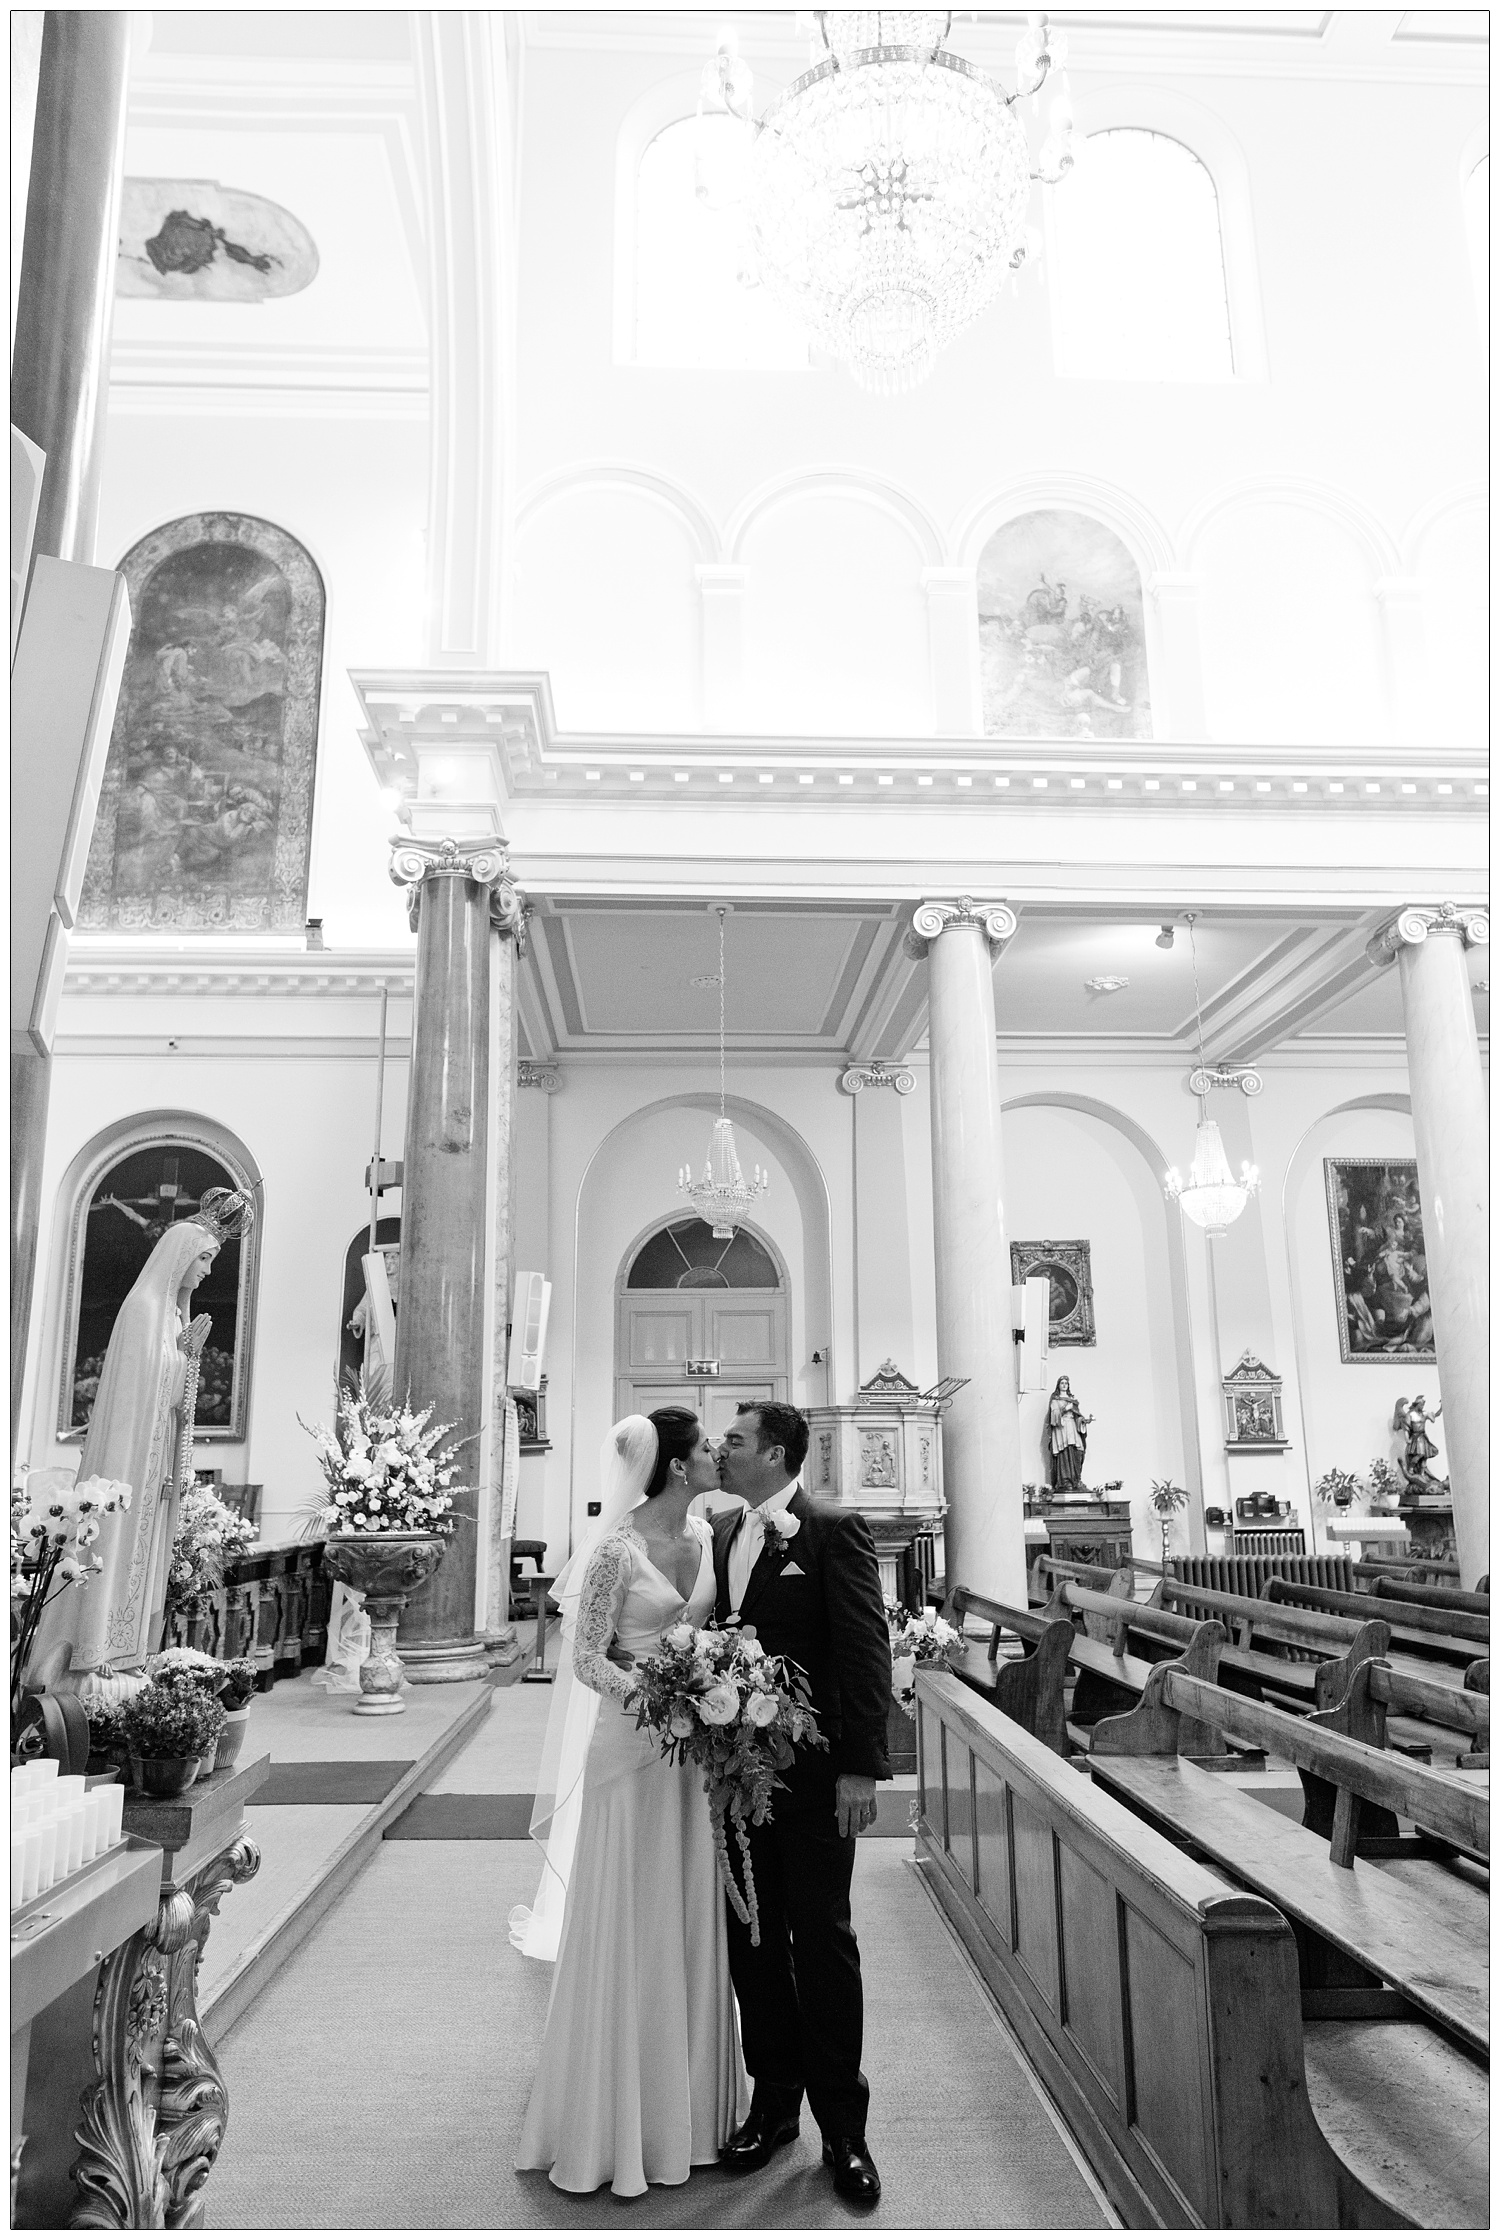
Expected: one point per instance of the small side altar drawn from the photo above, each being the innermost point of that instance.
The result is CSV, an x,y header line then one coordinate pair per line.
x,y
882,1453
1093,1531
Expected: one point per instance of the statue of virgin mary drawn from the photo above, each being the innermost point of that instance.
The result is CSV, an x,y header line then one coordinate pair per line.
x,y
138,1434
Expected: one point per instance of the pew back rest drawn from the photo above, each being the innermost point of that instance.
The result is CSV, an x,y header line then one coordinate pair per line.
x,y
1160,2006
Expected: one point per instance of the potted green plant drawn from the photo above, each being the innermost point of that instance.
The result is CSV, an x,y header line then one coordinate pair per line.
x,y
1166,1500
1384,1482
231,1682
1337,1488
171,1727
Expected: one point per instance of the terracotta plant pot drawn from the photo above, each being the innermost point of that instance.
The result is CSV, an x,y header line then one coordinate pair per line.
x,y
164,1777
386,1567
232,1738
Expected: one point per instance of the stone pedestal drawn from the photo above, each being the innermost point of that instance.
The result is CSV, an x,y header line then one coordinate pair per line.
x,y
982,1444
1450,1121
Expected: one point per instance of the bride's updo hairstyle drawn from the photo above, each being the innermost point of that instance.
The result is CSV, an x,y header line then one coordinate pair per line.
x,y
676,1436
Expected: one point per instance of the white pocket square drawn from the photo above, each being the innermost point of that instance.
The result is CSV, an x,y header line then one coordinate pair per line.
x,y
793,1571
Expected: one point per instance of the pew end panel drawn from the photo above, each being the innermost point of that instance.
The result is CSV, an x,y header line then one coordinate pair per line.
x,y
1160,2006
1153,1728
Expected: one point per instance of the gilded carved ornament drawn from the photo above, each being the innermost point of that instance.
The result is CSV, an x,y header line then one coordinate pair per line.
x,y
414,862
1412,927
997,920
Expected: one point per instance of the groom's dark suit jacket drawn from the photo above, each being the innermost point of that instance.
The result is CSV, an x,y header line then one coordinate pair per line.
x,y
829,1617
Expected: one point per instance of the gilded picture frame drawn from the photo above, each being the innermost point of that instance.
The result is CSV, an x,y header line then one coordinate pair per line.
x,y
1379,1261
1069,1272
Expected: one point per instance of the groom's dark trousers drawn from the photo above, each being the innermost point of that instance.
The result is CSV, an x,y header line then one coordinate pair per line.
x,y
799,1992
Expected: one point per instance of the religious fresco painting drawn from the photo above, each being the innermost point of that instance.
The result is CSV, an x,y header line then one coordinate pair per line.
x,y
191,240
1070,1280
129,1209
1379,1260
205,813
1062,636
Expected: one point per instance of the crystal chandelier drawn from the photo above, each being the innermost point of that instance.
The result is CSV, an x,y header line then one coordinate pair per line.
x,y
888,186
1211,1196
722,1197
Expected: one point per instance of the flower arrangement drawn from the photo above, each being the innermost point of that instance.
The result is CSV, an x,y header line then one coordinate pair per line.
x,y
231,1681
215,1386
718,1701
385,1468
917,1637
172,1718
207,1533
1336,1488
1166,1500
1384,1482
107,1737
53,1526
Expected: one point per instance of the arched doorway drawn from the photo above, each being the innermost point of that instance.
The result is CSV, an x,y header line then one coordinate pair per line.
x,y
701,1322
351,1306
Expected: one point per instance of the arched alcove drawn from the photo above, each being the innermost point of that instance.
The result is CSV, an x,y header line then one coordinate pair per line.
x,y
1062,631
119,1193
1079,1169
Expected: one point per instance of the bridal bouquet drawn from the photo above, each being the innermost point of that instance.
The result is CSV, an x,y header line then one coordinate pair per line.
x,y
717,1700
386,1471
920,1637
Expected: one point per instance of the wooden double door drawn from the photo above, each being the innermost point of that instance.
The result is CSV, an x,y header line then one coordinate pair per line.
x,y
709,1351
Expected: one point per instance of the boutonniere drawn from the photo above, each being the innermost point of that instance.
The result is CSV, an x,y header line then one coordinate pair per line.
x,y
781,1531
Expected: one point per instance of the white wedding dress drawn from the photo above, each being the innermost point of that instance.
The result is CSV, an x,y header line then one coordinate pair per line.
x,y
640,2077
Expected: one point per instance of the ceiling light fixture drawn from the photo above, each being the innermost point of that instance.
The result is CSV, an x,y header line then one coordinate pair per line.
x,y
723,1196
1210,1196
888,186
1166,937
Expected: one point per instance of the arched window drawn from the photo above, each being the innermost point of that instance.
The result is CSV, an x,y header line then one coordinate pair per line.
x,y
1139,291
697,302
134,1182
687,1256
1477,221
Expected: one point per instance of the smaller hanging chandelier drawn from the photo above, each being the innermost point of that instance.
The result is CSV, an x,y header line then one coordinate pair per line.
x,y
1211,1196
722,1197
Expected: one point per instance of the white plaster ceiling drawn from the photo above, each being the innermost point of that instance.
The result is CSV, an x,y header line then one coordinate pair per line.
x,y
609,980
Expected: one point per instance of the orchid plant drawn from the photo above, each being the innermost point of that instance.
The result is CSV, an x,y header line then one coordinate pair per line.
x,y
54,1523
385,1467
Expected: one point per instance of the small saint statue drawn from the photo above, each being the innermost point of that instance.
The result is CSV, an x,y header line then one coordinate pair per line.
x,y
1412,1418
1067,1437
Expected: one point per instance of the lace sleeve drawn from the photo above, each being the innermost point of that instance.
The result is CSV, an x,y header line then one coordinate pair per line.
x,y
604,1587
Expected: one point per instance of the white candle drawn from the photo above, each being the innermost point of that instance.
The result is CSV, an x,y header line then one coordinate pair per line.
x,y
70,1832
32,1842
91,1824
22,1809
43,1771
17,1869
47,1856
20,1779
114,1807
71,1785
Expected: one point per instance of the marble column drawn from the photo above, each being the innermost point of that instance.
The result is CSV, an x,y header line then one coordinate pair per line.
x,y
58,396
1450,1122
441,1358
984,1530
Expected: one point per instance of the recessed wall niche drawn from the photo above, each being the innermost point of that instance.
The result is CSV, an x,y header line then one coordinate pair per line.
x,y
1062,634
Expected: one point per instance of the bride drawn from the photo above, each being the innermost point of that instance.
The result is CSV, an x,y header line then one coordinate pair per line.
x,y
640,2077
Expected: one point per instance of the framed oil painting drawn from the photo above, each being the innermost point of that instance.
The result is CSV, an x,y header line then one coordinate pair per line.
x,y
1062,632
205,812
148,1181
1379,1260
1070,1311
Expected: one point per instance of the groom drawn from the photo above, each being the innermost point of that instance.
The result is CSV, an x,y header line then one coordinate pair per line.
x,y
800,1572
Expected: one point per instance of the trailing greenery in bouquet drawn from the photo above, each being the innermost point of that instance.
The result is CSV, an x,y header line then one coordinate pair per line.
x,y
53,1526
207,1534
385,1467
917,1637
718,1701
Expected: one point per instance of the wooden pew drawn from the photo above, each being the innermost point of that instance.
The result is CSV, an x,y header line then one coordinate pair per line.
x,y
1394,1934
1029,1688
1435,1598
1444,1633
1356,1703
1160,2006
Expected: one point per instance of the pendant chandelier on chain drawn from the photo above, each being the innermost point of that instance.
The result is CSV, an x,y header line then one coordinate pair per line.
x,y
1211,1196
722,1197
888,186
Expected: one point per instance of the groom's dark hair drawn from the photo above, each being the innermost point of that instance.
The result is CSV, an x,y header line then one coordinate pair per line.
x,y
780,1426
676,1437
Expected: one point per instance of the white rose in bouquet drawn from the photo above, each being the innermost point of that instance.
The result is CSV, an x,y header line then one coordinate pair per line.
x,y
903,1676
720,1705
761,1709
680,1724
678,1637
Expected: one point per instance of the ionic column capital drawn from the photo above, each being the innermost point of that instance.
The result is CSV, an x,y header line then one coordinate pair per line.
x,y
929,919
1413,925
877,1074
530,1075
414,862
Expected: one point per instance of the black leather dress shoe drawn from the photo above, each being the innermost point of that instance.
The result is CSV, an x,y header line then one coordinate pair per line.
x,y
854,2174
758,2137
